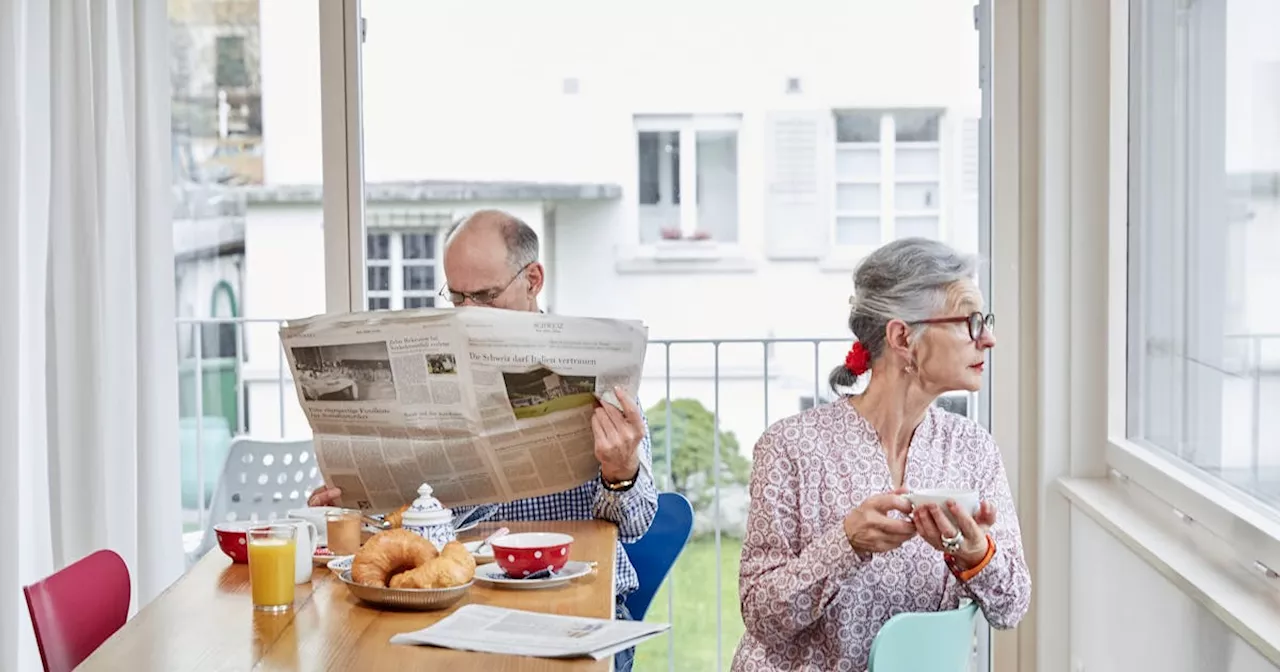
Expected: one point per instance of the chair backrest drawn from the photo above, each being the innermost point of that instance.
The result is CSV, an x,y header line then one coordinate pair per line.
x,y
214,440
75,610
261,480
655,553
938,641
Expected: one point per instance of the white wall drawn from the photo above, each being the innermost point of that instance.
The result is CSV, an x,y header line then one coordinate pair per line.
x,y
472,89
284,279
1125,616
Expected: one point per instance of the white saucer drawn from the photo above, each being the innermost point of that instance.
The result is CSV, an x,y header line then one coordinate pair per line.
x,y
481,558
493,575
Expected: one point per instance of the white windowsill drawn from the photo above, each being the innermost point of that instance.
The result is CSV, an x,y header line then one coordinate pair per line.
x,y
1253,533
684,256
1242,599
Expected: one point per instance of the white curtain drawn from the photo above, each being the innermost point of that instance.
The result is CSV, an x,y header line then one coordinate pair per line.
x,y
88,374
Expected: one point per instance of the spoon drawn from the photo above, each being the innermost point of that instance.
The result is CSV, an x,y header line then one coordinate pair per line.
x,y
496,533
547,573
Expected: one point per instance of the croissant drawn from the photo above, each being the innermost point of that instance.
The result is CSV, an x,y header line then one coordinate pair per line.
x,y
396,518
453,567
389,553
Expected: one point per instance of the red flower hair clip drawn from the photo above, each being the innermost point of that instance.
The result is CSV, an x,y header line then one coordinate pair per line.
x,y
858,360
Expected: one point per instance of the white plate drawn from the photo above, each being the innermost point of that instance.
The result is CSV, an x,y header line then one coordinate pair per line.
x,y
493,575
481,558
341,563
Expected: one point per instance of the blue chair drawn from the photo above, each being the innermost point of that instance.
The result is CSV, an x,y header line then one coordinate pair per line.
x,y
655,553
938,641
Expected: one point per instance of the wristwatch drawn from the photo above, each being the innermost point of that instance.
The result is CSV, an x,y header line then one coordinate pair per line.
x,y
619,486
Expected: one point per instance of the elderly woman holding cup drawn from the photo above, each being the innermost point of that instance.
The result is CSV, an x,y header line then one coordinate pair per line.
x,y
834,546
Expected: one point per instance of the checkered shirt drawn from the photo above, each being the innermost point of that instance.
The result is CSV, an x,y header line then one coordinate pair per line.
x,y
631,510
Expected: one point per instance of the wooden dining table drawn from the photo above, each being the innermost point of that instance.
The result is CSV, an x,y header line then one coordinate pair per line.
x,y
206,620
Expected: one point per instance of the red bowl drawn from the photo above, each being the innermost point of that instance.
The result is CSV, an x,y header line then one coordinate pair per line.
x,y
233,539
524,553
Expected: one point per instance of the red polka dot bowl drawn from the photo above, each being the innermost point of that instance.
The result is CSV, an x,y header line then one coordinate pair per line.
x,y
232,539
524,553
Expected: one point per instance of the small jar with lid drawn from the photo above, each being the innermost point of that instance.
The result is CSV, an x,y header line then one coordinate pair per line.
x,y
427,518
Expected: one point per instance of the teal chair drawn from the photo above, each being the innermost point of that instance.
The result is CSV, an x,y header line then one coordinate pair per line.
x,y
935,641
215,442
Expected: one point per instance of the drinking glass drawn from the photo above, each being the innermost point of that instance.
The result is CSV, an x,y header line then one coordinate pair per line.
x,y
343,531
272,550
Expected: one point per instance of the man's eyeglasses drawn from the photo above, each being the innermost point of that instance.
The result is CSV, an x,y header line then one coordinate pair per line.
x,y
483,297
977,322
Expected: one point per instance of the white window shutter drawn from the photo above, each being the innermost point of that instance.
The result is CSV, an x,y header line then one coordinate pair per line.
x,y
961,227
798,153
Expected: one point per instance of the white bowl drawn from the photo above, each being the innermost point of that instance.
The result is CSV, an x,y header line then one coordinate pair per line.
x,y
532,540
967,499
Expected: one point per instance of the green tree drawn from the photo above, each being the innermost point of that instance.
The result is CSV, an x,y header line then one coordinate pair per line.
x,y
693,451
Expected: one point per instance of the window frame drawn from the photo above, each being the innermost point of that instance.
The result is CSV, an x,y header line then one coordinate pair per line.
x,y
886,149
687,126
1252,531
396,262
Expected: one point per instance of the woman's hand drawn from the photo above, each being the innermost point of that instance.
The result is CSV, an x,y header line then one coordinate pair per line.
x,y
323,496
934,526
869,527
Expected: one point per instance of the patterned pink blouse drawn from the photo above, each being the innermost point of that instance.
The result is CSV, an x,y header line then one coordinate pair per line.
x,y
808,600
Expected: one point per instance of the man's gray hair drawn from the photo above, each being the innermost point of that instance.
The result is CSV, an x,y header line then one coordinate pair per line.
x,y
908,280
519,238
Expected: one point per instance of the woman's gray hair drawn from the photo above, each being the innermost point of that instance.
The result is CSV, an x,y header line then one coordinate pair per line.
x,y
908,279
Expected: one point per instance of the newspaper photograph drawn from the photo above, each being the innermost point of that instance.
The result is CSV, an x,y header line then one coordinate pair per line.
x,y
486,405
489,629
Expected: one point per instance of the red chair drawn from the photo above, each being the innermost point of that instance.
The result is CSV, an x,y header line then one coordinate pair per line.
x,y
77,608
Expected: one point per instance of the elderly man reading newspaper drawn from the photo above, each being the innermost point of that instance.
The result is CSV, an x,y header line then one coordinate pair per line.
x,y
491,259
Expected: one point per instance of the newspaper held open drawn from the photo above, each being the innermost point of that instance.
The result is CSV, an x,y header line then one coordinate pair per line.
x,y
488,629
486,405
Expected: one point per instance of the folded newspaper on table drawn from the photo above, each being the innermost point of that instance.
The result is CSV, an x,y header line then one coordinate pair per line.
x,y
487,629
486,405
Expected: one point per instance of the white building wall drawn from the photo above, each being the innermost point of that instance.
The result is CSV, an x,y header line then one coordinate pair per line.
x,y
463,89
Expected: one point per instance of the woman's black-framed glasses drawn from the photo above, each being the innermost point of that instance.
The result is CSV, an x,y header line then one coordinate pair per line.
x,y
978,323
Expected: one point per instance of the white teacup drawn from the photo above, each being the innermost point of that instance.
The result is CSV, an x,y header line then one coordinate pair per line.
x,y
966,499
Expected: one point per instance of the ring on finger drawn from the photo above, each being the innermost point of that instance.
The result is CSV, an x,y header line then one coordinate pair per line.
x,y
952,544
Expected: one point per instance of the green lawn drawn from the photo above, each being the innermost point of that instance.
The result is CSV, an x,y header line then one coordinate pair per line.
x,y
693,616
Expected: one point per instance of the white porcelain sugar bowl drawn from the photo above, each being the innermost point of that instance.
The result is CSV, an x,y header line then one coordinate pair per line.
x,y
429,519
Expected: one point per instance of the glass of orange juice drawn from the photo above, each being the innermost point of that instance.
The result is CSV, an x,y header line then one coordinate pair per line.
x,y
272,549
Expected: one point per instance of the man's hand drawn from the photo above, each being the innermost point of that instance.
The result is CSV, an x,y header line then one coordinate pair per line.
x,y
618,435
324,496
